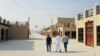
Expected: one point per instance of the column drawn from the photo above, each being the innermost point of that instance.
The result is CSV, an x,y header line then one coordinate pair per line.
x,y
95,9
4,34
70,34
77,34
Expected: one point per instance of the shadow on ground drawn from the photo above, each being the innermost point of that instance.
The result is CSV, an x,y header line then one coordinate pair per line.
x,y
36,39
16,45
70,52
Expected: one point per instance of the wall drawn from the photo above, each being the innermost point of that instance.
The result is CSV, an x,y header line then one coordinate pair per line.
x,y
19,32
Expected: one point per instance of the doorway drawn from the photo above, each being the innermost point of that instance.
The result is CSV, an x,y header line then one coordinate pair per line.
x,y
2,34
89,34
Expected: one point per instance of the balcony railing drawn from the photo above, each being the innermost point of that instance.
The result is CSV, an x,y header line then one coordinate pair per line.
x,y
90,12
98,10
80,16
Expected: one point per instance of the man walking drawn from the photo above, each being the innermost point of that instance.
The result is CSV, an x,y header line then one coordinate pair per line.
x,y
58,43
48,43
65,41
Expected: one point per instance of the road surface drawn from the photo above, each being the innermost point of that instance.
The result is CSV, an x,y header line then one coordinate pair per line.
x,y
36,46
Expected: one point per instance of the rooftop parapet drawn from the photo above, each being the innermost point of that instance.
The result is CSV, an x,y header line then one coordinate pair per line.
x,y
89,13
8,23
18,24
4,21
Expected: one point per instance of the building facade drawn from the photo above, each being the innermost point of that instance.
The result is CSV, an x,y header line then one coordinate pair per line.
x,y
66,26
62,26
88,27
46,31
15,30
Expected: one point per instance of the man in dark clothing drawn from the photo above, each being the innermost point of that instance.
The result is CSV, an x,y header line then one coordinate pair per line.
x,y
48,43
65,41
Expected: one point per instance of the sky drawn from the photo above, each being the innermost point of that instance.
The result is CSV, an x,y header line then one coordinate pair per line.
x,y
42,11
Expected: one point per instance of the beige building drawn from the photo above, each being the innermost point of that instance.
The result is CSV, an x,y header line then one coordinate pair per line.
x,y
46,31
88,27
61,26
65,25
14,30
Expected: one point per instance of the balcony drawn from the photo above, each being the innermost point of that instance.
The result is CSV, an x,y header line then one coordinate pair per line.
x,y
98,10
80,16
89,13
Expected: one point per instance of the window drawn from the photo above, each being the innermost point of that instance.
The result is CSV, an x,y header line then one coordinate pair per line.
x,y
68,24
98,35
80,35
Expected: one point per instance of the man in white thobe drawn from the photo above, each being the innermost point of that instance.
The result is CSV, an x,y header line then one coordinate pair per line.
x,y
58,43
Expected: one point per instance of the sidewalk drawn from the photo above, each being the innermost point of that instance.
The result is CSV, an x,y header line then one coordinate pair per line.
x,y
36,46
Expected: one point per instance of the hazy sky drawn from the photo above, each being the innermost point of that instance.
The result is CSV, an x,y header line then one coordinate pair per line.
x,y
42,11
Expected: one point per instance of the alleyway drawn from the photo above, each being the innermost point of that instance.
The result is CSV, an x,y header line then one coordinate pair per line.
x,y
35,46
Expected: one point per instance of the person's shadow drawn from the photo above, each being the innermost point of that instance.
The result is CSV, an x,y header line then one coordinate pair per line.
x,y
36,39
16,45
69,52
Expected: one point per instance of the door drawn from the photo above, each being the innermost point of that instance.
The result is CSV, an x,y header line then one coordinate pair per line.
x,y
89,33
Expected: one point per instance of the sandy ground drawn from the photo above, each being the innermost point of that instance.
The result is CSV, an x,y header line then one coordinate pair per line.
x,y
36,46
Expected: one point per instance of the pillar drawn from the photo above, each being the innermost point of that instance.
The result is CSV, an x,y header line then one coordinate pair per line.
x,y
70,34
85,14
70,26
4,34
96,9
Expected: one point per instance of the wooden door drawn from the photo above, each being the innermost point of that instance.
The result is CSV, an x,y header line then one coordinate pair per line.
x,y
89,34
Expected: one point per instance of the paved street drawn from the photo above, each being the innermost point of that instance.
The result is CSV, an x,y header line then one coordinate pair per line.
x,y
35,46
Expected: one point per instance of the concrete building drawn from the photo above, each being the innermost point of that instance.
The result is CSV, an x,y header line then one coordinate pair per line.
x,y
88,27
15,30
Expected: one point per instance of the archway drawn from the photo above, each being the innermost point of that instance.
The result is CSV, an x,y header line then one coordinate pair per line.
x,y
2,34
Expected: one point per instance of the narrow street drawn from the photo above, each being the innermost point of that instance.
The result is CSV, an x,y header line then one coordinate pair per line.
x,y
36,46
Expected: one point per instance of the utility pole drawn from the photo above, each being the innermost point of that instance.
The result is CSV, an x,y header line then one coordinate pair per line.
x,y
51,27
28,21
28,26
